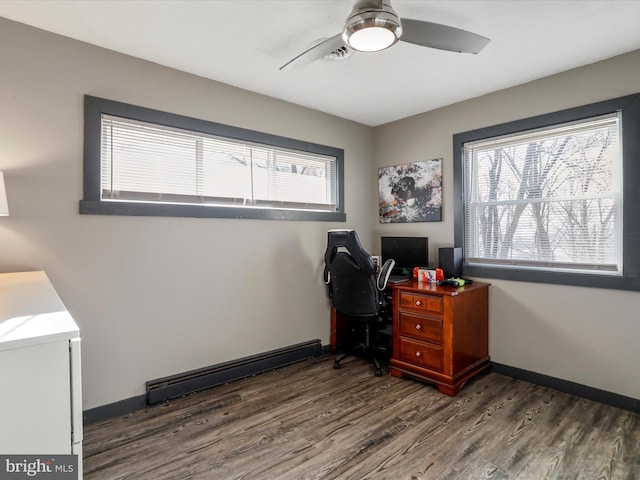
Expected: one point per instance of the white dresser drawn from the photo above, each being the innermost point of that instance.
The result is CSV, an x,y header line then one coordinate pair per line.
x,y
41,399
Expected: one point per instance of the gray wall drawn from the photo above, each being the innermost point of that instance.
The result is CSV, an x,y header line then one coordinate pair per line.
x,y
588,336
158,296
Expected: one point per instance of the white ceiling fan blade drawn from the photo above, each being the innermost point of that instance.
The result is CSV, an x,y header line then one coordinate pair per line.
x,y
316,52
442,37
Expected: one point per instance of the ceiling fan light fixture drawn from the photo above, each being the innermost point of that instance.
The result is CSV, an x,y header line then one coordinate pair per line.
x,y
373,25
372,31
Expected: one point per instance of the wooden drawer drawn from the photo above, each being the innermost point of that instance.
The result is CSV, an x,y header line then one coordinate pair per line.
x,y
421,328
421,354
421,303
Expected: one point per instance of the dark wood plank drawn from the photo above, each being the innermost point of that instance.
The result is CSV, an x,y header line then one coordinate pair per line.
x,y
309,421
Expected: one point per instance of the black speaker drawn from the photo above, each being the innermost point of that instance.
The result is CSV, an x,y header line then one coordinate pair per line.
x,y
450,261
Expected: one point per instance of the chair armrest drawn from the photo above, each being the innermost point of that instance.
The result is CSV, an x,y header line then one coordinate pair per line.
x,y
385,272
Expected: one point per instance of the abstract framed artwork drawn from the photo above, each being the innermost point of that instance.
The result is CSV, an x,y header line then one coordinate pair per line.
x,y
411,192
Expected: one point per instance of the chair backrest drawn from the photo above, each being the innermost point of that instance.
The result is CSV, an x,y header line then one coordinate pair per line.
x,y
351,274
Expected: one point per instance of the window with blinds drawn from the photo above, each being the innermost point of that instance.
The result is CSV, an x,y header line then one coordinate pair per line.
x,y
546,199
146,162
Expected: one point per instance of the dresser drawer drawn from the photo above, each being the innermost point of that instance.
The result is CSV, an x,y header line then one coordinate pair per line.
x,y
420,327
421,303
421,354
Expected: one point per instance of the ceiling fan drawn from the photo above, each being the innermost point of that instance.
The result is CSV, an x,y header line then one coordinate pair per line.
x,y
373,25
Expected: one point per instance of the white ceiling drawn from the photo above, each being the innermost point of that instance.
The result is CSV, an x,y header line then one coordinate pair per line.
x,y
244,42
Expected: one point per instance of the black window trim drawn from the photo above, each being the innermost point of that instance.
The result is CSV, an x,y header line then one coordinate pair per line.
x,y
629,105
94,107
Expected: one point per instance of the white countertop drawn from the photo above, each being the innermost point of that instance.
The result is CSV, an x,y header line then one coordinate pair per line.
x,y
31,311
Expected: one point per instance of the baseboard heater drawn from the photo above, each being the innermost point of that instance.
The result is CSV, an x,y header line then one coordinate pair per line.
x,y
175,386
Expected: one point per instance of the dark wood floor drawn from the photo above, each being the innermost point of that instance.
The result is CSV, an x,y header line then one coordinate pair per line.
x,y
309,421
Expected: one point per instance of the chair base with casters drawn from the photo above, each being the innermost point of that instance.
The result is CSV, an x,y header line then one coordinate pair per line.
x,y
365,348
374,334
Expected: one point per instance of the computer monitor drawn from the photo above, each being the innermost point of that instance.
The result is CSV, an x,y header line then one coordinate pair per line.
x,y
408,252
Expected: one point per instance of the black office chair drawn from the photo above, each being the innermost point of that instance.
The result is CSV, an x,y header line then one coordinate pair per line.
x,y
355,289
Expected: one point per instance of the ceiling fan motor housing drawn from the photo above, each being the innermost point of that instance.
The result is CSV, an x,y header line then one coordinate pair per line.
x,y
371,28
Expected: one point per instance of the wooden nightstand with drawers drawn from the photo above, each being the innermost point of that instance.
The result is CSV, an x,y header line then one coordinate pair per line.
x,y
440,334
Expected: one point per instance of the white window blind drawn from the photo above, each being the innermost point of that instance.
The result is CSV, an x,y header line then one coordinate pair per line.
x,y
547,199
144,162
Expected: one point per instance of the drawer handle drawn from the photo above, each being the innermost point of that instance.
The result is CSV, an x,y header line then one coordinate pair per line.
x,y
418,303
418,326
418,354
